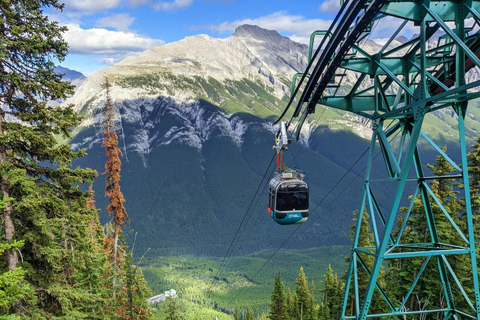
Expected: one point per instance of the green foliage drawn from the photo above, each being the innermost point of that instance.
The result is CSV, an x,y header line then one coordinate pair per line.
x,y
232,95
13,287
235,314
428,292
278,307
52,262
332,293
249,315
172,312
199,292
137,290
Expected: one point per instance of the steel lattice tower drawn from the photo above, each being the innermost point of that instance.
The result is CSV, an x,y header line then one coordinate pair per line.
x,y
396,87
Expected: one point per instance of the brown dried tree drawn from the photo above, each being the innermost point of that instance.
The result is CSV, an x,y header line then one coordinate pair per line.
x,y
113,165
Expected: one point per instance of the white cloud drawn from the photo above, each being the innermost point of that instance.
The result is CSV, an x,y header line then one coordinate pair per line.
x,y
330,6
120,22
172,5
163,5
298,26
86,7
384,28
112,46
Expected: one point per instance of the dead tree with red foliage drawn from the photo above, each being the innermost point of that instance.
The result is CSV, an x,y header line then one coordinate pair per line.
x,y
113,165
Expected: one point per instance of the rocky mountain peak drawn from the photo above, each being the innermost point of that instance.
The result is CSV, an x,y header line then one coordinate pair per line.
x,y
401,39
251,31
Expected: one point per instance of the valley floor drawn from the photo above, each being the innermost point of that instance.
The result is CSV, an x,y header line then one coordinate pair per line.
x,y
210,287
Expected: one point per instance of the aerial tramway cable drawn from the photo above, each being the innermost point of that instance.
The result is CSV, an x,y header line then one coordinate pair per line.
x,y
318,205
245,219
239,227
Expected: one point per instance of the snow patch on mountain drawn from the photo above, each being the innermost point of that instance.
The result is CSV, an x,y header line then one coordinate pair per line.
x,y
173,82
196,123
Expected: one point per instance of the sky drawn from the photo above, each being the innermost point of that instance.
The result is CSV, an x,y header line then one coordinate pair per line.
x,y
103,32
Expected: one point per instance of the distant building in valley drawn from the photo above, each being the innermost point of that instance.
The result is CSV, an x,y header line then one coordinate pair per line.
x,y
162,297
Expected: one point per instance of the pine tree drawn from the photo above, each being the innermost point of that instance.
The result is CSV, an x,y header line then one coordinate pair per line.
x,y
115,207
302,295
331,296
291,308
402,272
278,308
474,174
249,315
45,219
236,315
172,312
365,240
137,290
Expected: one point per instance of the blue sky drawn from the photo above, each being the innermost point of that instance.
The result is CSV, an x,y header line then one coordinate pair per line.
x,y
103,32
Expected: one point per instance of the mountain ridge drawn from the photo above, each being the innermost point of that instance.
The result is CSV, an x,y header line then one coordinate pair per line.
x,y
194,125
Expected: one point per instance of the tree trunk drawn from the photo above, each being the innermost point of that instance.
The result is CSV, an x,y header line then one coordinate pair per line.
x,y
12,256
115,248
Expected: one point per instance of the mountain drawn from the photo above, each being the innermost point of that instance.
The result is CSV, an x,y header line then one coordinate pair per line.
x,y
75,77
195,128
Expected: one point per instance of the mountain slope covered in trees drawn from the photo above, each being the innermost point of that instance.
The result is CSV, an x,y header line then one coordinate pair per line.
x,y
196,132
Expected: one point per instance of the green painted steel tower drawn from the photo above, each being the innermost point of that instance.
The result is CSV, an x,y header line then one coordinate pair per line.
x,y
396,87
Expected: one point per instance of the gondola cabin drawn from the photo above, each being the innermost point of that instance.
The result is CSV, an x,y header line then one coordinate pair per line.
x,y
288,199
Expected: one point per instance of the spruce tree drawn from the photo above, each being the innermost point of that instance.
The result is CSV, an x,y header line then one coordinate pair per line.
x,y
331,295
365,240
302,294
137,290
236,315
312,307
172,312
115,208
278,307
249,315
402,272
474,175
45,220
291,308
29,44
474,179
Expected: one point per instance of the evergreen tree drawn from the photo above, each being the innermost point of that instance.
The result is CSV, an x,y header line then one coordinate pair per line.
x,y
172,312
312,308
402,272
332,293
137,290
249,315
291,308
365,240
474,178
12,284
302,296
278,308
45,220
474,174
29,42
115,208
235,315
324,312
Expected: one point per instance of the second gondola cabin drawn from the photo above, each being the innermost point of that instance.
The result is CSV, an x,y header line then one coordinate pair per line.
x,y
288,198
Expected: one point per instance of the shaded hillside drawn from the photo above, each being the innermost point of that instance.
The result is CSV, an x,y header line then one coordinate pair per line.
x,y
195,127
